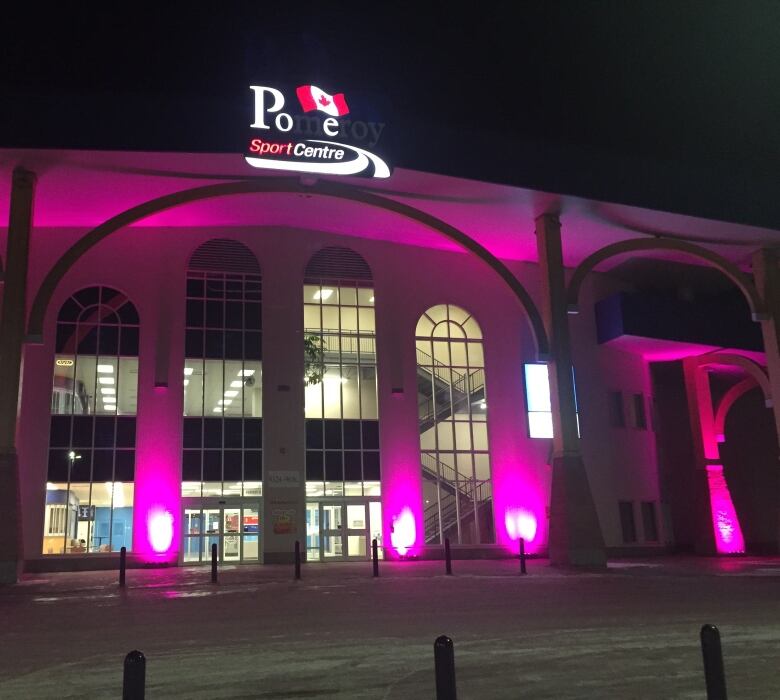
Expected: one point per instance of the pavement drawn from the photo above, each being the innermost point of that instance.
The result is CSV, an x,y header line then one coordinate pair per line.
x,y
629,632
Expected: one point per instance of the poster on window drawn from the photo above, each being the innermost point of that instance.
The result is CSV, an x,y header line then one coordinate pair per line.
x,y
283,520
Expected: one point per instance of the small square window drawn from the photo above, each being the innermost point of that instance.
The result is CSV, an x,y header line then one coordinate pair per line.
x,y
617,417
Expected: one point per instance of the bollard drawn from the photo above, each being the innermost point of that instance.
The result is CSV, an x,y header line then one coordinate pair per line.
x,y
375,556
297,560
444,663
714,674
447,557
122,566
522,556
134,679
214,562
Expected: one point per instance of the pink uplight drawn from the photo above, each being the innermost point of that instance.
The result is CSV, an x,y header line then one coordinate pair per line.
x,y
160,530
520,523
728,533
403,534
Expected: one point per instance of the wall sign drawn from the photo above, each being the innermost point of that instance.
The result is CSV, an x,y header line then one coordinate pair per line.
x,y
283,479
315,133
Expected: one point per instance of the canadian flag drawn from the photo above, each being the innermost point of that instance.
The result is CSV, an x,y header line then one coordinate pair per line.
x,y
311,98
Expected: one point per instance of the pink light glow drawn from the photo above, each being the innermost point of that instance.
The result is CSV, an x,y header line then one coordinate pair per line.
x,y
520,523
403,535
728,533
156,511
519,495
160,529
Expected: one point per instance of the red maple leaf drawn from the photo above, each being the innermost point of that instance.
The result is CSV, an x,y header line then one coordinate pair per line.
x,y
324,101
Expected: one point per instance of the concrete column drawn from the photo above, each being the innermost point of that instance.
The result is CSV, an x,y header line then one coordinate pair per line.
x,y
284,458
766,269
12,330
157,529
716,526
575,534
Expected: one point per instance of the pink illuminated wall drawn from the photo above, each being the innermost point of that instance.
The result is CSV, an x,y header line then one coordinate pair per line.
x,y
519,509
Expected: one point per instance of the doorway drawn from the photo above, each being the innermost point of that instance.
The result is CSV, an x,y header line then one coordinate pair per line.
x,y
233,526
341,529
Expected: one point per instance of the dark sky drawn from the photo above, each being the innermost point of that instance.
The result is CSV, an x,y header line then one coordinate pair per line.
x,y
680,87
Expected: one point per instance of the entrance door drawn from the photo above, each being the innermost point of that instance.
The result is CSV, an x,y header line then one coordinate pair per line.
x,y
341,529
234,528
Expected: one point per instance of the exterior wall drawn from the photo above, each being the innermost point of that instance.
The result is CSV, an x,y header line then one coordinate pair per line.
x,y
148,264
621,461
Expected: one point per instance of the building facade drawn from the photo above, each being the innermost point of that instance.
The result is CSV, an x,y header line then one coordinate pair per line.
x,y
206,355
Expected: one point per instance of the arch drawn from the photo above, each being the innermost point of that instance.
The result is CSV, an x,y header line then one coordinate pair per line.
x,y
751,368
338,263
276,185
224,255
731,271
468,324
735,393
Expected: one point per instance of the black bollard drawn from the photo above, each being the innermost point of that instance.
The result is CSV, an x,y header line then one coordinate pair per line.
x,y
714,674
522,556
444,663
134,679
297,560
214,562
122,566
447,557
375,556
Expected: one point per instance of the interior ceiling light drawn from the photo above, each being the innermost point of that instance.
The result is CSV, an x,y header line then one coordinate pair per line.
x,y
246,373
371,300
323,294
105,380
188,371
186,382
219,409
225,402
105,369
230,393
237,384
107,390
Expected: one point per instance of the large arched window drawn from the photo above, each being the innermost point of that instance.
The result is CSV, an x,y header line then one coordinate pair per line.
x,y
222,450
343,510
453,429
89,492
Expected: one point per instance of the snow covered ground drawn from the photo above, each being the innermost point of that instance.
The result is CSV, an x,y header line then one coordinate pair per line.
x,y
629,633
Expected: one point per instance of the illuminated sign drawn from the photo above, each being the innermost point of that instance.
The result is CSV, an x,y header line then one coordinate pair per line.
x,y
323,139
64,363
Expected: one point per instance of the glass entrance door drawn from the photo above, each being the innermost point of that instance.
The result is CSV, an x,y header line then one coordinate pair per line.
x,y
340,529
234,528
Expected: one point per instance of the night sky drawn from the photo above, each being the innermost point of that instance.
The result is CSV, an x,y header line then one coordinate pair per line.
x,y
665,104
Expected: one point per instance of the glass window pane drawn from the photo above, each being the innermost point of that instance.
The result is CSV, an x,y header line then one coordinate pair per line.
x,y
311,317
350,392
368,397
127,392
537,387
252,378
348,296
84,389
540,424
63,384
366,320
212,395
365,296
